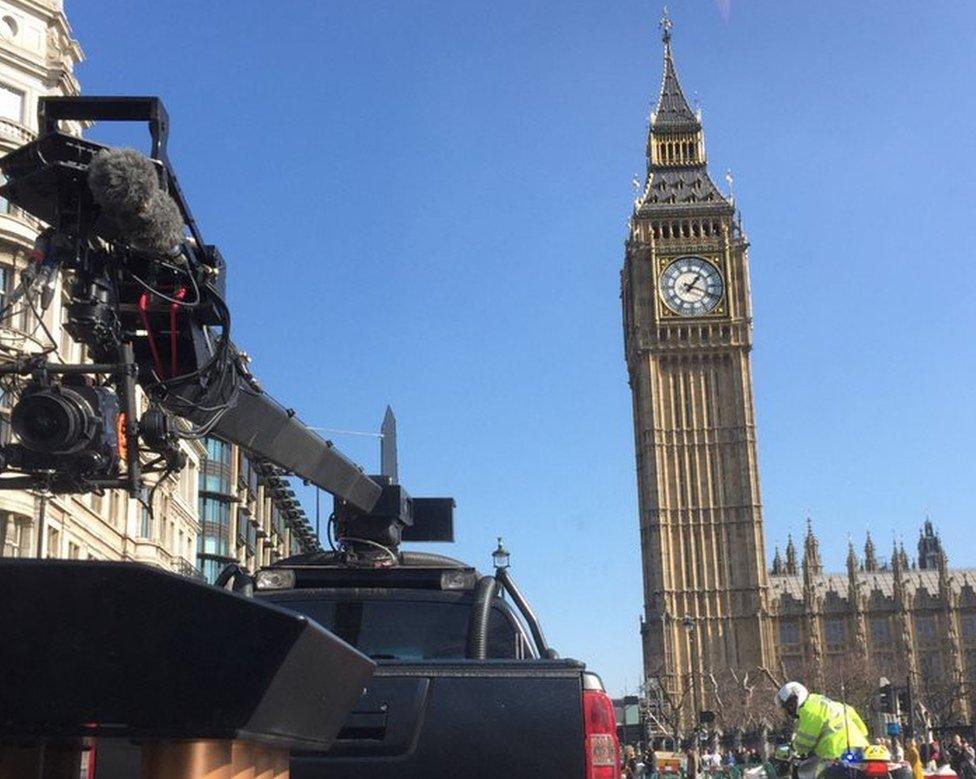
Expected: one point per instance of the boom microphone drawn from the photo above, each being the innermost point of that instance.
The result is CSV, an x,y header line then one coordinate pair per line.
x,y
125,184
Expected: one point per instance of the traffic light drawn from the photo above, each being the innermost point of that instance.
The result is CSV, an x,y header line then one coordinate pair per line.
x,y
904,701
886,699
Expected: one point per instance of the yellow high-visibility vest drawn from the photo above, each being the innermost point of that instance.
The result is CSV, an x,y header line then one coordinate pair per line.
x,y
828,728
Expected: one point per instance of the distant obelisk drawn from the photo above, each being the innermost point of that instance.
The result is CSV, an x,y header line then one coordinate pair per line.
x,y
388,446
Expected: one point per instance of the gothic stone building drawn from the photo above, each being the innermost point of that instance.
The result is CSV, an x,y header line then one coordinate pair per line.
x,y
912,621
710,613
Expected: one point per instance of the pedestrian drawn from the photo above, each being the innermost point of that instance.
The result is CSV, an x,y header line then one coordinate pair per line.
x,y
630,763
924,752
967,761
897,750
954,754
914,760
692,766
935,755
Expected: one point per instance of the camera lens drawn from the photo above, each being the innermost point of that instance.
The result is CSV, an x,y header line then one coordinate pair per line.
x,y
50,421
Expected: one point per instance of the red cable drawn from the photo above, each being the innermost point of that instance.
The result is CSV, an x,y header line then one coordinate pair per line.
x,y
180,294
143,305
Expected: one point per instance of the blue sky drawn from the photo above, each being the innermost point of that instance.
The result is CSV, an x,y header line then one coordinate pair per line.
x,y
424,204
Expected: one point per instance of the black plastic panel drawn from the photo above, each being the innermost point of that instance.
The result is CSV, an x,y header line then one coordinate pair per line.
x,y
124,649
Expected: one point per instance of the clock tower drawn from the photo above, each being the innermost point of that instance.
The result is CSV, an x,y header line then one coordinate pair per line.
x,y
687,336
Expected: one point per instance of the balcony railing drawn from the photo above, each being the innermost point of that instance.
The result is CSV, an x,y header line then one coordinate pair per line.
x,y
16,132
184,567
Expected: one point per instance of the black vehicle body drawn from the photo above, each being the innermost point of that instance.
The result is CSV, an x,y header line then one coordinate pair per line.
x,y
429,709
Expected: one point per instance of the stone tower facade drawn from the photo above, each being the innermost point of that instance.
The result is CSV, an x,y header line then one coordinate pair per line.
x,y
687,337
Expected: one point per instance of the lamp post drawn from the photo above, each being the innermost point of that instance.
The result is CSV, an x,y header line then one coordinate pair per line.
x,y
689,624
500,558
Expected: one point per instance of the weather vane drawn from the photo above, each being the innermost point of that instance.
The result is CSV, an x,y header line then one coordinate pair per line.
x,y
665,25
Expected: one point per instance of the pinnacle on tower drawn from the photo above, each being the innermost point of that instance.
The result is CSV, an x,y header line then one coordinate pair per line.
x,y
791,567
673,114
870,558
777,569
904,557
852,562
929,547
896,558
676,165
811,550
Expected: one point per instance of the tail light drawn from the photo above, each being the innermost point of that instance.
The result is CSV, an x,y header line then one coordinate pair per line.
x,y
875,768
602,750
87,759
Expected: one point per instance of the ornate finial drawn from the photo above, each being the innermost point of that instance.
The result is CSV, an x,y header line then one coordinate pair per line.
x,y
665,25
730,181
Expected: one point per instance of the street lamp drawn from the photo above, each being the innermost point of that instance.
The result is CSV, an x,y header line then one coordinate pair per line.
x,y
500,557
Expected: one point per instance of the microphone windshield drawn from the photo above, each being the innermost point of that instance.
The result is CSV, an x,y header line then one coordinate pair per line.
x,y
125,184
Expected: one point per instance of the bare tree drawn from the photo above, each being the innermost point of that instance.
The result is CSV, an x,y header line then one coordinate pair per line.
x,y
744,702
670,703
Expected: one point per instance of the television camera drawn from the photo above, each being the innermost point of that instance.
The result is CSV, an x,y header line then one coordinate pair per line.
x,y
144,295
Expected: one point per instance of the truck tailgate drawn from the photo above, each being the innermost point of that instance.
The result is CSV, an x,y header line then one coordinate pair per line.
x,y
475,718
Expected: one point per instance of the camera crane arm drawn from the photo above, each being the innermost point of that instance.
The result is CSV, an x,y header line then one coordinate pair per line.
x,y
144,308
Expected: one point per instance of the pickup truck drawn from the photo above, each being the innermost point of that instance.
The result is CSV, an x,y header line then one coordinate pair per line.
x,y
465,683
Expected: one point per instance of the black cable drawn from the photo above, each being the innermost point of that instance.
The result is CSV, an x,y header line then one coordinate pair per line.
x,y
184,303
43,324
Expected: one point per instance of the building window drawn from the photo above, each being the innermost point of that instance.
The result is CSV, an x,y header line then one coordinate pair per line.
x,y
8,28
925,628
145,522
881,630
5,272
53,542
15,535
789,632
884,662
11,103
971,662
215,473
835,630
215,523
252,537
74,551
967,624
218,451
210,568
930,667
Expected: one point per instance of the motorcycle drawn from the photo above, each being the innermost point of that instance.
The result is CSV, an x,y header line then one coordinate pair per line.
x,y
871,762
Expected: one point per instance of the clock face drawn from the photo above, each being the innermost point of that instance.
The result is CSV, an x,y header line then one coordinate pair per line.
x,y
691,286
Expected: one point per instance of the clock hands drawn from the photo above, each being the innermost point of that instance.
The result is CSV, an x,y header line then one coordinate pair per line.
x,y
694,284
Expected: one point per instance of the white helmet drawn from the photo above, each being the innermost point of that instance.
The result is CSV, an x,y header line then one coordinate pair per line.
x,y
792,693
